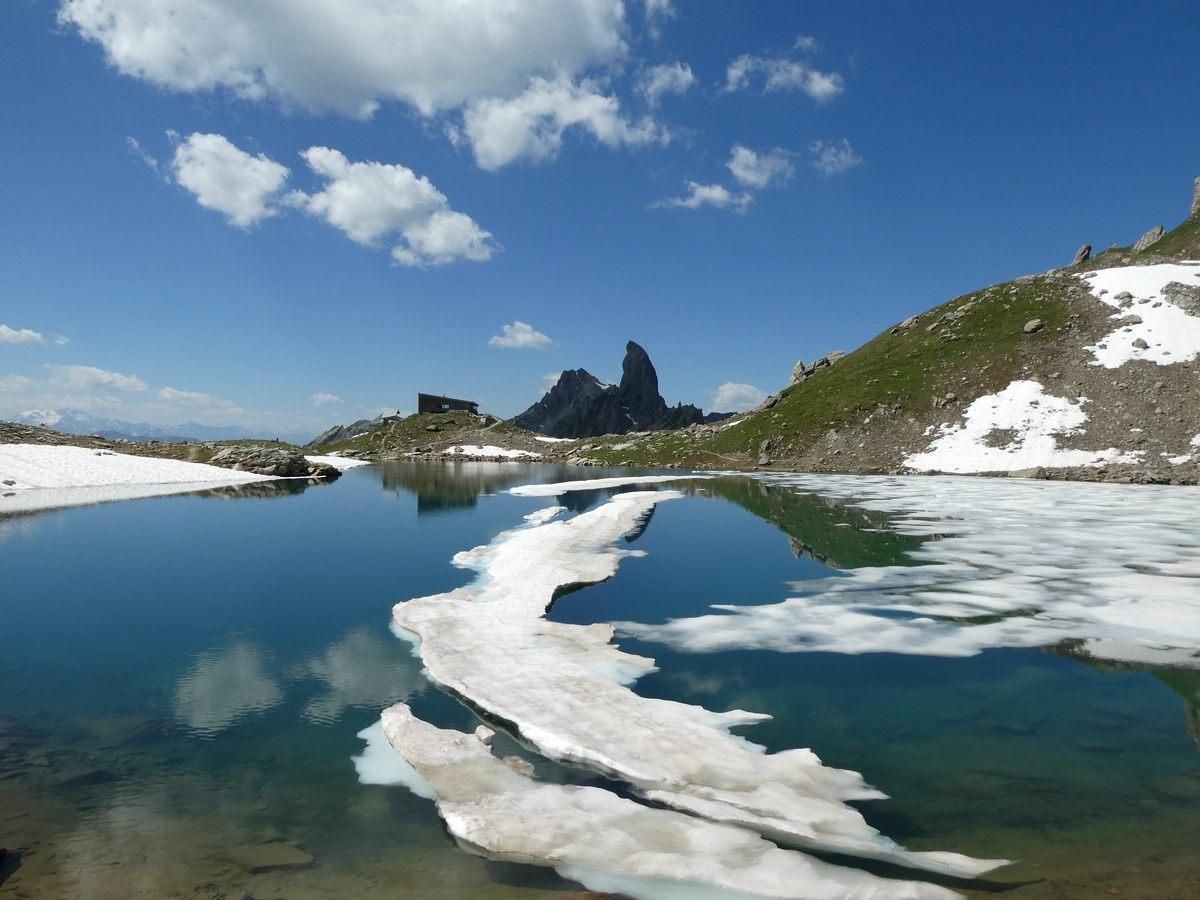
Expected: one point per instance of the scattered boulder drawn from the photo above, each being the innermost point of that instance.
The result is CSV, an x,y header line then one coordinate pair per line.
x,y
1196,198
801,372
907,323
1141,344
1185,296
1153,236
1083,254
276,461
1033,326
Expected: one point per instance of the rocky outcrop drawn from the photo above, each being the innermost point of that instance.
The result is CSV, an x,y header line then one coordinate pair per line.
x,y
1151,237
1196,198
339,433
580,405
271,461
1083,254
801,372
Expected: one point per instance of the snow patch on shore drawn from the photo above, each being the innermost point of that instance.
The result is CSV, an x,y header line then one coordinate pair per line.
x,y
1113,567
341,463
490,451
605,842
49,476
1036,420
1171,334
554,440
562,688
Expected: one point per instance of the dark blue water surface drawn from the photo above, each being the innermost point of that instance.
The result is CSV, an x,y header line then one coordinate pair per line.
x,y
183,678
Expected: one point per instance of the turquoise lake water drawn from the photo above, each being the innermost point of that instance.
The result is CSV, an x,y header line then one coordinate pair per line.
x,y
183,680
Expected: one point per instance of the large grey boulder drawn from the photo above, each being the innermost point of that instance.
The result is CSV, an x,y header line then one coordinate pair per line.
x,y
801,372
276,461
1083,254
1196,198
1153,236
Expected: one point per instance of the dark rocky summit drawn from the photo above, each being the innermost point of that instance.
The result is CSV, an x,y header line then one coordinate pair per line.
x,y
579,405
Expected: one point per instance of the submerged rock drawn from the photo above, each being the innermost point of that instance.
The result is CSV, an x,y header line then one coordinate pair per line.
x,y
270,857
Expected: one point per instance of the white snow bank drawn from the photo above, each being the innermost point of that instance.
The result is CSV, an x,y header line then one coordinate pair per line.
x,y
1038,563
341,463
489,451
554,440
1037,419
1171,334
595,484
599,839
46,476
561,686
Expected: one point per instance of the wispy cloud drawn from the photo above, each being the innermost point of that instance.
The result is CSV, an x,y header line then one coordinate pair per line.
x,y
760,170
670,78
20,335
698,196
833,157
322,399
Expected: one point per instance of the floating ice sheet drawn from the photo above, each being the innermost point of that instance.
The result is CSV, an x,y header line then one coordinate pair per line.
x,y
1170,333
1035,419
595,484
561,687
597,838
1016,564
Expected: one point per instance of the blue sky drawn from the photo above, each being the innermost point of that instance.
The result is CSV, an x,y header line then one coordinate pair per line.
x,y
191,278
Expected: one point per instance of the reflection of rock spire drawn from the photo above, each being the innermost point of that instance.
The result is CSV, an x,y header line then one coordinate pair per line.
x,y
223,686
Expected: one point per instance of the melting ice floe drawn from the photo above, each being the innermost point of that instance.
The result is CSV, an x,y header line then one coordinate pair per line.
x,y
595,484
593,836
1171,333
561,687
1037,420
1115,568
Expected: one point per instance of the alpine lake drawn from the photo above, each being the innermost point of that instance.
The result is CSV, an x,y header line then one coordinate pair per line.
x,y
183,680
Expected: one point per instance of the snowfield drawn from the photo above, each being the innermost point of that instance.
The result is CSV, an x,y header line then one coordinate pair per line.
x,y
1171,334
41,476
1037,420
341,463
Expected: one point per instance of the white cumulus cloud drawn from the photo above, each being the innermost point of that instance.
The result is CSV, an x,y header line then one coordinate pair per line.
x,y
670,78
20,335
833,157
520,336
530,126
715,195
371,202
734,397
349,56
16,383
760,170
322,399
91,378
225,178
783,75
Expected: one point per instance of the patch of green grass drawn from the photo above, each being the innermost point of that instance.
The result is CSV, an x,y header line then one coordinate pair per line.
x,y
911,367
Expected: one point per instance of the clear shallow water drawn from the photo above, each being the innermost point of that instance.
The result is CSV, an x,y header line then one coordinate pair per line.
x,y
186,676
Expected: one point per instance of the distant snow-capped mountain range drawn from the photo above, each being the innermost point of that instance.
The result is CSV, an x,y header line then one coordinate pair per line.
x,y
74,421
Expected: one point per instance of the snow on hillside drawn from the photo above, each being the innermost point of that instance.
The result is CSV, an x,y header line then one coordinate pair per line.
x,y
341,463
490,452
1147,315
1035,420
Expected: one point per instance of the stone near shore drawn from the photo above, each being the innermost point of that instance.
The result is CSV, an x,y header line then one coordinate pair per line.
x,y
271,461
